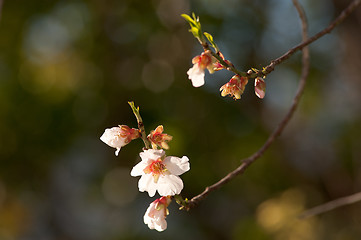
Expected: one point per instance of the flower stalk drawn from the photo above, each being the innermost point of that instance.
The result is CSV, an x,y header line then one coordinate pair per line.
x,y
140,124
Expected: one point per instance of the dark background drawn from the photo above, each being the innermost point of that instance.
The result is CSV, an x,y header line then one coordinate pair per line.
x,y
68,68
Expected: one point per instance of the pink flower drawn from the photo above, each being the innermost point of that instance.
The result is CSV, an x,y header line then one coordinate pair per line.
x,y
117,137
200,63
160,173
156,213
158,138
260,87
235,87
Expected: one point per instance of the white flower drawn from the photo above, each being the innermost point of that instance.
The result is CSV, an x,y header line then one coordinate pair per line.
x,y
160,173
156,213
200,63
117,137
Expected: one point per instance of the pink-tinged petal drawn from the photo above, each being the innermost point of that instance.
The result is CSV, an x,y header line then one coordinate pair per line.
x,y
176,165
138,169
151,154
169,185
259,87
146,183
196,75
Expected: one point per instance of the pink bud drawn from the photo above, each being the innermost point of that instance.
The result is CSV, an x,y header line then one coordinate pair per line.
x,y
260,87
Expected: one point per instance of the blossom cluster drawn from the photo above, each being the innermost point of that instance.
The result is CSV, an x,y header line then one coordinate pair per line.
x,y
158,172
235,87
215,61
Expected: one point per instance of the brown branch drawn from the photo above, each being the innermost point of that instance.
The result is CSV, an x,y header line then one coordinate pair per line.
x,y
269,68
340,202
343,15
248,161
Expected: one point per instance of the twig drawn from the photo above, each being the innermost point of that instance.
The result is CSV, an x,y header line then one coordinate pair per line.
x,y
140,124
248,161
340,202
345,13
269,68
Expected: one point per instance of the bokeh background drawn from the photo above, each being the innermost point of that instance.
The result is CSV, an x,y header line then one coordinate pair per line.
x,y
68,68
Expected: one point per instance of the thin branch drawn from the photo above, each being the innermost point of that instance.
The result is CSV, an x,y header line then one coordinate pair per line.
x,y
268,69
340,202
343,15
248,161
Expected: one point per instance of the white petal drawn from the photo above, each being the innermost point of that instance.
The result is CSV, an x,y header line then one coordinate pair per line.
x,y
196,75
169,185
112,138
146,183
151,154
137,170
176,165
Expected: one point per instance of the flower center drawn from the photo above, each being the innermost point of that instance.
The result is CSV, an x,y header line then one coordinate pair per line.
x,y
156,168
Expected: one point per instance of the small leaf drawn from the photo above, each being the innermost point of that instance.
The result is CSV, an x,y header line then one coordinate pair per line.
x,y
189,20
210,39
208,36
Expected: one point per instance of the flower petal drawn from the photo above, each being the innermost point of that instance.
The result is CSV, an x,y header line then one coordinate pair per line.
x,y
169,185
146,183
137,170
176,165
151,154
196,75
155,219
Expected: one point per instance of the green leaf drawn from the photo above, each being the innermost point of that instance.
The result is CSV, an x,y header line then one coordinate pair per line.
x,y
210,39
208,36
189,20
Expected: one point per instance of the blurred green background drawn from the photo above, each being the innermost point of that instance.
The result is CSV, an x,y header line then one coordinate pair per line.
x,y
68,68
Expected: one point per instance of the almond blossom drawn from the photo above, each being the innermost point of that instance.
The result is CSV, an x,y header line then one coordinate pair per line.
x,y
158,138
117,137
235,87
156,213
200,63
160,173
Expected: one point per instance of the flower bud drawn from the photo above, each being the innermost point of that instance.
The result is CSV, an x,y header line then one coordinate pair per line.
x,y
260,87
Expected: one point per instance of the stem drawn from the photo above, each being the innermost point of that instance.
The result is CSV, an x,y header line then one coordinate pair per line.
x,y
140,124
